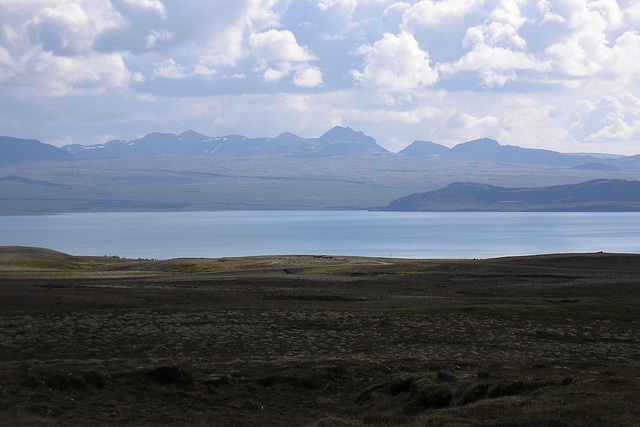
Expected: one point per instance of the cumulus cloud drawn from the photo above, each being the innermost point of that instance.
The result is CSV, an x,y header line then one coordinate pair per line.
x,y
7,65
498,51
572,58
611,118
156,36
473,123
592,46
279,45
304,75
49,45
625,58
545,7
497,65
308,77
274,74
494,34
435,13
177,54
153,5
63,27
168,69
93,74
215,34
63,30
281,49
347,6
395,64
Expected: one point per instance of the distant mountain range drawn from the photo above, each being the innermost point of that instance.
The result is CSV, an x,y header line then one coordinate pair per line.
x,y
342,169
339,141
595,195
486,149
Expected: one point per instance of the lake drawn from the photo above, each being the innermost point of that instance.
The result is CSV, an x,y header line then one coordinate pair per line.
x,y
163,235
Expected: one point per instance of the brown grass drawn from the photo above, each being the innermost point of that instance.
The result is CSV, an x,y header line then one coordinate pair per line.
x,y
548,340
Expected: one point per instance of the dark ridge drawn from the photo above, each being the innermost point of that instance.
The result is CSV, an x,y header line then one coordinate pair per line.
x,y
597,195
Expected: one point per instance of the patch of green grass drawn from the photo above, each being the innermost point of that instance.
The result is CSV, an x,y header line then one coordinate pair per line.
x,y
56,265
195,268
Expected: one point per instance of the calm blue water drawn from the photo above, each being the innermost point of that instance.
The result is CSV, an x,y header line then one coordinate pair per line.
x,y
164,235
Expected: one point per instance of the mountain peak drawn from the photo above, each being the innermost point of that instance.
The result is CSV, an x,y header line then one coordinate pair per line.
x,y
286,136
346,134
424,149
345,140
191,134
480,143
478,149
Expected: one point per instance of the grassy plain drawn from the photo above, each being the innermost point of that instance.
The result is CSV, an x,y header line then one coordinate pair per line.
x,y
170,183
319,341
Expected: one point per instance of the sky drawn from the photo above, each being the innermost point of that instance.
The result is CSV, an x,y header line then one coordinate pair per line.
x,y
562,75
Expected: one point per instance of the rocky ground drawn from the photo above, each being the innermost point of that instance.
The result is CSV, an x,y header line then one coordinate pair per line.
x,y
548,340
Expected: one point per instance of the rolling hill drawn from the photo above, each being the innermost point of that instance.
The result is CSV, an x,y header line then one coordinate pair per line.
x,y
595,195
486,149
16,150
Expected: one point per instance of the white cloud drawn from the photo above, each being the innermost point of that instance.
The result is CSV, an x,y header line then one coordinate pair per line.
x,y
170,70
204,70
478,125
583,52
545,7
94,74
281,48
7,65
224,49
260,13
308,77
497,65
49,45
435,13
63,30
156,36
63,27
305,75
509,13
407,116
616,129
153,5
347,6
494,34
274,74
498,51
396,64
609,11
204,64
625,58
397,7
611,118
632,12
592,48
279,45
580,56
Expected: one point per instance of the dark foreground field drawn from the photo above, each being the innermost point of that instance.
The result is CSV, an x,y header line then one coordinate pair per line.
x,y
319,341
